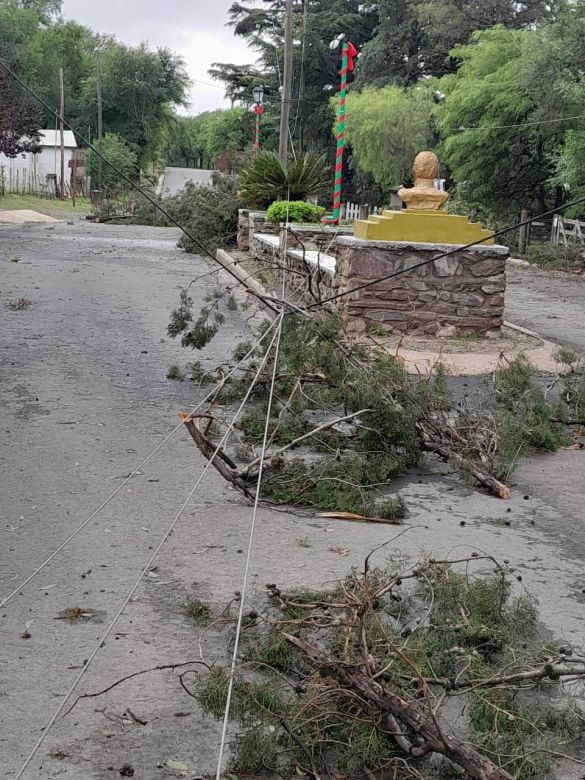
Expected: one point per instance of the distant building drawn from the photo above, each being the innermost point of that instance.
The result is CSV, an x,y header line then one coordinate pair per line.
x,y
39,171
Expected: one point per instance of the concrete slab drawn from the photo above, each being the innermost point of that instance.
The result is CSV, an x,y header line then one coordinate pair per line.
x,y
23,216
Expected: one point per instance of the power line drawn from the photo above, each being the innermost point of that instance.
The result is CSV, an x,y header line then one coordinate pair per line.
x,y
129,181
249,554
462,248
151,454
521,124
111,626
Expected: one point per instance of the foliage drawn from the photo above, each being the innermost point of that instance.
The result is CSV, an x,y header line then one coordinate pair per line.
x,y
297,211
394,53
569,170
175,374
20,120
199,141
117,152
556,258
494,120
387,128
198,611
524,416
139,86
461,632
208,213
266,179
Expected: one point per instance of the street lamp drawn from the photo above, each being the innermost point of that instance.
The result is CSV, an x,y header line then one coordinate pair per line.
x,y
258,109
258,93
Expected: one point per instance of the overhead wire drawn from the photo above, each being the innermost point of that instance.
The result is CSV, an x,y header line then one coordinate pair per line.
x,y
86,665
135,471
251,537
464,129
448,253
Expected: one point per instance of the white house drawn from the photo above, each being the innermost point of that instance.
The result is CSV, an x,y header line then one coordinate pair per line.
x,y
39,171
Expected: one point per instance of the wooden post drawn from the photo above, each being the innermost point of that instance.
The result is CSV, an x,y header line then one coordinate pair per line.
x,y
524,237
286,83
99,121
73,179
62,131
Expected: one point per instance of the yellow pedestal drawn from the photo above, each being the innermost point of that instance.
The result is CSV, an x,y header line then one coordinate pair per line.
x,y
433,227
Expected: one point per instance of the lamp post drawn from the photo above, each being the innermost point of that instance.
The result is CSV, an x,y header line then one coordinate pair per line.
x,y
258,109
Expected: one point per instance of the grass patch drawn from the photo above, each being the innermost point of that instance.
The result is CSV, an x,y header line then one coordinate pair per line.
x,y
44,205
175,374
556,258
197,611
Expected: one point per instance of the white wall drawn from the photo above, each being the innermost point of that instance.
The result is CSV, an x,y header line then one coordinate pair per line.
x,y
30,171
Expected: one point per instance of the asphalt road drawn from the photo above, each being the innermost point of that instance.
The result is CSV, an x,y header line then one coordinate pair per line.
x,y
176,179
550,303
83,398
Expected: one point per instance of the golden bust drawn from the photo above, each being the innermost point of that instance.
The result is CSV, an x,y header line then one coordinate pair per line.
x,y
423,196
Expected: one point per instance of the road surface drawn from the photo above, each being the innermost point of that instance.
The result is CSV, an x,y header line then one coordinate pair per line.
x,y
550,303
83,398
175,179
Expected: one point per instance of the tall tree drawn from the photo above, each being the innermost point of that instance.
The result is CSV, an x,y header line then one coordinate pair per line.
x,y
315,75
450,23
394,55
500,119
139,87
386,129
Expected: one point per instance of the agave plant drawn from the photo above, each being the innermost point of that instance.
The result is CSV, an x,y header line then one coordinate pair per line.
x,y
266,179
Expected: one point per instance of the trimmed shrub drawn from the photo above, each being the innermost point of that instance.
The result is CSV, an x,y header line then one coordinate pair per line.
x,y
298,211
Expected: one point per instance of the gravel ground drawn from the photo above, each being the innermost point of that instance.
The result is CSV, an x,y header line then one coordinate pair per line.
x,y
83,397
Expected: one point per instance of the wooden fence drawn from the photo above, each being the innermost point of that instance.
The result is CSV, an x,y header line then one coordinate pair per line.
x,y
567,231
23,182
353,211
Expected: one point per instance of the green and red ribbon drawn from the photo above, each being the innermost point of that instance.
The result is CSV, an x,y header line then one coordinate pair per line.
x,y
348,52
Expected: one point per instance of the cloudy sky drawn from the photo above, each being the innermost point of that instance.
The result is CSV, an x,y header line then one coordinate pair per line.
x,y
194,28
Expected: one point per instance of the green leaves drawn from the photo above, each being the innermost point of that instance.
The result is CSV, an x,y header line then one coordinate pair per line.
x,y
297,211
387,128
266,179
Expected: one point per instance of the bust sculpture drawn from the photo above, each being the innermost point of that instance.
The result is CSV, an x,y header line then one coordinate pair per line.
x,y
423,196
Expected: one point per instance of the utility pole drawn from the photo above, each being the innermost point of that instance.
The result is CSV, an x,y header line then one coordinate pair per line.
x,y
286,83
100,133
62,128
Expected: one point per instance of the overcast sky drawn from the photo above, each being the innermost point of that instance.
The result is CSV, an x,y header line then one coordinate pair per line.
x,y
193,28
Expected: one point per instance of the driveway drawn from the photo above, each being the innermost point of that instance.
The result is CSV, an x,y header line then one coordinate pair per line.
x,y
175,179
83,398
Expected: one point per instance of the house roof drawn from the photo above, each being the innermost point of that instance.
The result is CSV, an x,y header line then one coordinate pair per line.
x,y
53,138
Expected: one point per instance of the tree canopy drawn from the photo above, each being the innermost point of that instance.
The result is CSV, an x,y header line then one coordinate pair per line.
x,y
140,86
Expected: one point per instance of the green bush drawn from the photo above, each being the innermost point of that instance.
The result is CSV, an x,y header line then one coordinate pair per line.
x,y
297,211
209,214
121,154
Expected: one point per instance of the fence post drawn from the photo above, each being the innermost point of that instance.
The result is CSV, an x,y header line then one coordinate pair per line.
x,y
524,238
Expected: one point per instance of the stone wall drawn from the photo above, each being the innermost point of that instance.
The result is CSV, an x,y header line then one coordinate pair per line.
x,y
461,293
464,291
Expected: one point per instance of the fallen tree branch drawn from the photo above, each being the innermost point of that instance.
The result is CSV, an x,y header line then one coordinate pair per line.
x,y
219,459
432,740
483,477
159,668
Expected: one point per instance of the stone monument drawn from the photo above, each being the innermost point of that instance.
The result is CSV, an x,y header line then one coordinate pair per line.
x,y
422,221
